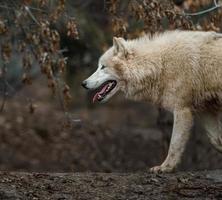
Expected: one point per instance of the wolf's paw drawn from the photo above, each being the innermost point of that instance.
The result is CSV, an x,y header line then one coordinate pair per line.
x,y
161,169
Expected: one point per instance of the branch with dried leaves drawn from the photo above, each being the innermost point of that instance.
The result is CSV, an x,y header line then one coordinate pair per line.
x,y
37,41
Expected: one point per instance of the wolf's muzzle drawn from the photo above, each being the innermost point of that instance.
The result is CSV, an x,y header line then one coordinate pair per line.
x,y
84,84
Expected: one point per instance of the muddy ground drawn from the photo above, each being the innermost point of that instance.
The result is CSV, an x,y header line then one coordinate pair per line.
x,y
118,137
99,186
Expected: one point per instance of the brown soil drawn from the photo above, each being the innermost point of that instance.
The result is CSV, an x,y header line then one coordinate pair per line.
x,y
100,186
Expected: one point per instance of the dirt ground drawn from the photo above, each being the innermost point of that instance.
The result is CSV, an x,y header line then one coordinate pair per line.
x,y
119,137
99,186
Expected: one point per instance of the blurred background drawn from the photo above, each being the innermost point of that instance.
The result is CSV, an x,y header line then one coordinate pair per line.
x,y
47,120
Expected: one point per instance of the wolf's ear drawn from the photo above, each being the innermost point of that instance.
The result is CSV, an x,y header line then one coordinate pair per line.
x,y
119,45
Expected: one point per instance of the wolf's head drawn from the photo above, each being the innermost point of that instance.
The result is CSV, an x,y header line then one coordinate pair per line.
x,y
109,78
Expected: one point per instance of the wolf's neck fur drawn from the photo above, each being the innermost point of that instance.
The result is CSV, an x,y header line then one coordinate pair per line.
x,y
145,67
144,75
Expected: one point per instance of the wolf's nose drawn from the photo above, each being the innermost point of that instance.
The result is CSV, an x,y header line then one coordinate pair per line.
x,y
84,84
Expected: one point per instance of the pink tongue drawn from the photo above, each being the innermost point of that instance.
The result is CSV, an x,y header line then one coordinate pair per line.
x,y
100,93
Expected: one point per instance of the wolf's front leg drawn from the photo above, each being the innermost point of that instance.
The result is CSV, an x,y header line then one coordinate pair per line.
x,y
183,121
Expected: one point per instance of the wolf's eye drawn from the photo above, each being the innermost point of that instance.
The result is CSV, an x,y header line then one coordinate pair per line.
x,y
103,67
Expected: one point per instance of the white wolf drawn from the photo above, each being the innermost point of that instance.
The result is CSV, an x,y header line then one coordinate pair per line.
x,y
180,71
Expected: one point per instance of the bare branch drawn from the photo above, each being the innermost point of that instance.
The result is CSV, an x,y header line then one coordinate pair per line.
x,y
6,7
216,6
215,3
37,9
31,15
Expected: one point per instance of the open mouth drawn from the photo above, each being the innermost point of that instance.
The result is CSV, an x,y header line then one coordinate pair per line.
x,y
103,90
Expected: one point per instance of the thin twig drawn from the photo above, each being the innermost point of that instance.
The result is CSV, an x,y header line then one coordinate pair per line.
x,y
6,7
215,2
37,9
8,86
31,15
216,6
57,78
61,51
4,89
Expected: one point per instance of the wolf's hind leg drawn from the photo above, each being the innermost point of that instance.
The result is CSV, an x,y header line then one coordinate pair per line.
x,y
212,124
